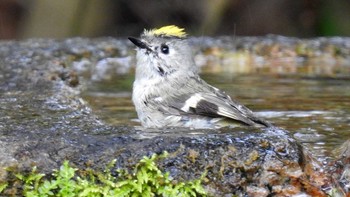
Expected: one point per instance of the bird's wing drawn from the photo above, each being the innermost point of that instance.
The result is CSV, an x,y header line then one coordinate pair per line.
x,y
205,100
211,105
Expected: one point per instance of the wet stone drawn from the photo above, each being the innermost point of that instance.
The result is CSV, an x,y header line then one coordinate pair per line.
x,y
44,121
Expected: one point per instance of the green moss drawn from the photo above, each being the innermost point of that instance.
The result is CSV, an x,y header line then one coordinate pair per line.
x,y
145,180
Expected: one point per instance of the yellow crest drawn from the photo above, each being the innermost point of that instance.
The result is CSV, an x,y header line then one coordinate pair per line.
x,y
170,30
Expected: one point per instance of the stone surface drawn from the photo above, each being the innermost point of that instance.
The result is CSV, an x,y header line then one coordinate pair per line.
x,y
43,121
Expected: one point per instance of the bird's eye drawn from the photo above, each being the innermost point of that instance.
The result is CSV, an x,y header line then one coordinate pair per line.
x,y
164,48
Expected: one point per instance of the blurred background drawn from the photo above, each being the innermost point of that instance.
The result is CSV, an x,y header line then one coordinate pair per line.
x,y
21,19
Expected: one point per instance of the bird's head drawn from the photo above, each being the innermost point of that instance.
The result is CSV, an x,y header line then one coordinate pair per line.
x,y
164,51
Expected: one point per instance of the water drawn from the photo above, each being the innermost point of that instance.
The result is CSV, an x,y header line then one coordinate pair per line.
x,y
315,109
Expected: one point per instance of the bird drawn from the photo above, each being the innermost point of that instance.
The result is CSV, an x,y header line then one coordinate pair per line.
x,y
168,91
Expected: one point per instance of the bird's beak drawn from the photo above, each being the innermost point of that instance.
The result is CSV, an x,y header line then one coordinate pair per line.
x,y
139,43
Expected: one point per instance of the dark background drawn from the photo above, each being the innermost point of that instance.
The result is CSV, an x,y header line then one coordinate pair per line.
x,y
20,19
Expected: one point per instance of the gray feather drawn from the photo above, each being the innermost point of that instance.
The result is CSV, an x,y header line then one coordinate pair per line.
x,y
199,98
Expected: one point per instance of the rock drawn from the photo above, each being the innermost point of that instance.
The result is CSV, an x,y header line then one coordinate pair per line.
x,y
339,170
43,121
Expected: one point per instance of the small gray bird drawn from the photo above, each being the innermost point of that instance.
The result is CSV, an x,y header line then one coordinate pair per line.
x,y
168,91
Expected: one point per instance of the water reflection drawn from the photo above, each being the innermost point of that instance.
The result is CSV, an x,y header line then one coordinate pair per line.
x,y
316,110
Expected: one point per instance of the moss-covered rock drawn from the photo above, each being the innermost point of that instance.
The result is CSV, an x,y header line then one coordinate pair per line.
x,y
44,121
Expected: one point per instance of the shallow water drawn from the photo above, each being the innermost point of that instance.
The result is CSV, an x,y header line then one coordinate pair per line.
x,y
315,109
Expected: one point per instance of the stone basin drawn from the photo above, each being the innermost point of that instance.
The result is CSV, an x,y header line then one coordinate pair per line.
x,y
44,120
